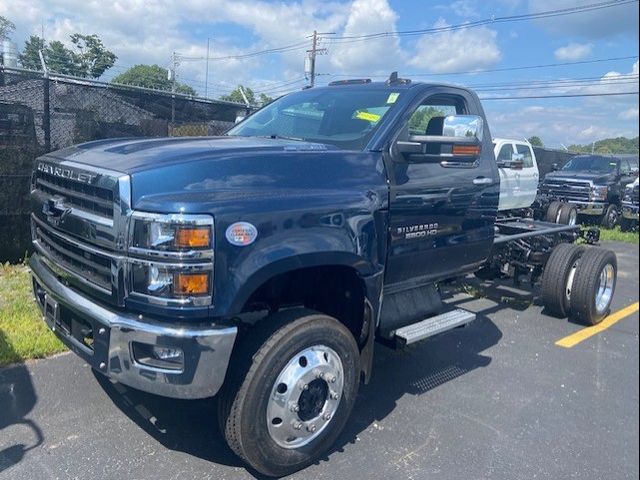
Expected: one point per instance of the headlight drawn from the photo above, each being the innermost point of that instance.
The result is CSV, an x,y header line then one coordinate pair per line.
x,y
599,192
628,195
177,233
171,258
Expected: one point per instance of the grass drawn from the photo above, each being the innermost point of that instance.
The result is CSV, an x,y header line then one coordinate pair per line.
x,y
23,333
618,235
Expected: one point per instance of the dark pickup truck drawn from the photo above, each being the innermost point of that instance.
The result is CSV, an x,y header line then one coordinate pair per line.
x,y
593,184
261,266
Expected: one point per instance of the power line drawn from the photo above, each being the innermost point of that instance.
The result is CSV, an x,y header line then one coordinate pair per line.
x,y
491,70
561,96
488,21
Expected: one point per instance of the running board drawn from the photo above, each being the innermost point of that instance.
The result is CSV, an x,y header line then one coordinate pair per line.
x,y
433,326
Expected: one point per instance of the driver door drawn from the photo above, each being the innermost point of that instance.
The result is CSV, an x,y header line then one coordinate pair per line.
x,y
442,213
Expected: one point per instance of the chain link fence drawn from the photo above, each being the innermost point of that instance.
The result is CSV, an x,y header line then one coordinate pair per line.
x,y
40,114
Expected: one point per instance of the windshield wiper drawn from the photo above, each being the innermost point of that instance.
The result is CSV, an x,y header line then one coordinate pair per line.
x,y
281,137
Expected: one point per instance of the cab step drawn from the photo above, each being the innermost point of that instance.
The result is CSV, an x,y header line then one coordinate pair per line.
x,y
433,326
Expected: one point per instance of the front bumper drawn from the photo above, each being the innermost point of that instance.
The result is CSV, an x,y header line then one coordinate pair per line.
x,y
105,339
630,212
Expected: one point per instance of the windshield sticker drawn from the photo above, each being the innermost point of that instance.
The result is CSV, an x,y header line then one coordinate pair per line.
x,y
369,117
393,97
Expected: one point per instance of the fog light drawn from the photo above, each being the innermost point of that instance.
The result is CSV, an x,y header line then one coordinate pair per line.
x,y
166,358
165,353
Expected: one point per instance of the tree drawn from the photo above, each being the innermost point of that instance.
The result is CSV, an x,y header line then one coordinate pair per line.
x,y
151,76
536,141
6,27
29,57
88,58
609,145
236,96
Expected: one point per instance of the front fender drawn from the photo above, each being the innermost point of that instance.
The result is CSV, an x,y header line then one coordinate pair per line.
x,y
351,235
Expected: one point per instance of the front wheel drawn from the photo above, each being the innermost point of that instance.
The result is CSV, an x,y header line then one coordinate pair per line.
x,y
290,392
610,217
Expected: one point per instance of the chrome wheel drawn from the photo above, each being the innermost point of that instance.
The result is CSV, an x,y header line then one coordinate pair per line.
x,y
305,396
605,288
573,217
570,278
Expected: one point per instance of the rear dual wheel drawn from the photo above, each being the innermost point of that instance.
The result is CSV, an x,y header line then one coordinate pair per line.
x,y
560,212
579,282
290,392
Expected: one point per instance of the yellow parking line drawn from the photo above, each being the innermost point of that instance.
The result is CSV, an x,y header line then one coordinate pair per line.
x,y
581,335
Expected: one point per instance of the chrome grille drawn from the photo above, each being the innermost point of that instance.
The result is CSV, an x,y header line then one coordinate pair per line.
x,y
67,254
90,198
568,190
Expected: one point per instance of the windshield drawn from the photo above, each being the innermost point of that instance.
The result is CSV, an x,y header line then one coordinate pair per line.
x,y
344,117
591,164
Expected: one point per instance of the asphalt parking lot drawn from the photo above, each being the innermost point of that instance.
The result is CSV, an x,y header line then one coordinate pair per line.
x,y
498,399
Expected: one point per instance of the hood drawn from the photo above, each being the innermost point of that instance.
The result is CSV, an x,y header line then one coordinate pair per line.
x,y
130,155
595,177
220,173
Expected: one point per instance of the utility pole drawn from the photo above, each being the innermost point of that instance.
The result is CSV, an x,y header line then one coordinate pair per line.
x,y
172,77
206,74
46,105
315,38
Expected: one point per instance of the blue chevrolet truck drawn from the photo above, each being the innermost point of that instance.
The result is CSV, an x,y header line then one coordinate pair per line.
x,y
264,266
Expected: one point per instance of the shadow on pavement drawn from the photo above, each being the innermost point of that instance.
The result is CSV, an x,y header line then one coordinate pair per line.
x,y
17,399
191,426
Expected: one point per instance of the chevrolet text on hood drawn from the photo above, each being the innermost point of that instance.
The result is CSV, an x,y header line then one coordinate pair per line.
x,y
261,266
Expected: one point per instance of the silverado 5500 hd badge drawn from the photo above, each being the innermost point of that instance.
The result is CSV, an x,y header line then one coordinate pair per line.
x,y
417,231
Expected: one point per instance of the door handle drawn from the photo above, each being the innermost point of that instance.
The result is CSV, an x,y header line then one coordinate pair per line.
x,y
482,181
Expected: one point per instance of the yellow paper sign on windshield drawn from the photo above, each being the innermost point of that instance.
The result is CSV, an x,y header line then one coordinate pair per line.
x,y
369,117
393,97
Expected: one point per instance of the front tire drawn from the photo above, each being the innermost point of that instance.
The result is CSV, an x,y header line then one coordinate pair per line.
x,y
610,217
291,391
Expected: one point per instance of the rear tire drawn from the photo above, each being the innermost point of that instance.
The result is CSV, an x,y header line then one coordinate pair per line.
x,y
594,286
257,405
558,278
552,211
610,217
568,214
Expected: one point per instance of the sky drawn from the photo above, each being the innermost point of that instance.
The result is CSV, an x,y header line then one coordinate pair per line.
x,y
599,50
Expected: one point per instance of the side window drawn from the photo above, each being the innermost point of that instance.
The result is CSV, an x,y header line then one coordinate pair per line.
x,y
525,151
428,118
505,154
625,169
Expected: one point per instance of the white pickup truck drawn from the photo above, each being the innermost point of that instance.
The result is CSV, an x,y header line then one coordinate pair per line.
x,y
518,173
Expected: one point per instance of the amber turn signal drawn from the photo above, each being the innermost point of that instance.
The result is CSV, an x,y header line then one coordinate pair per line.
x,y
466,150
193,237
191,283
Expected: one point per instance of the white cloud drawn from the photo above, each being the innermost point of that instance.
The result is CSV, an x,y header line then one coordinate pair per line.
x,y
630,114
466,49
595,24
373,55
574,51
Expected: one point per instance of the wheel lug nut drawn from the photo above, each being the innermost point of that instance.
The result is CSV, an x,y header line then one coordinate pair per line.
x,y
332,379
327,416
304,386
297,425
334,395
311,428
294,407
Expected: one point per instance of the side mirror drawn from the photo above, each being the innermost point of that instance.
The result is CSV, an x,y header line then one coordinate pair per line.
x,y
460,142
517,161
